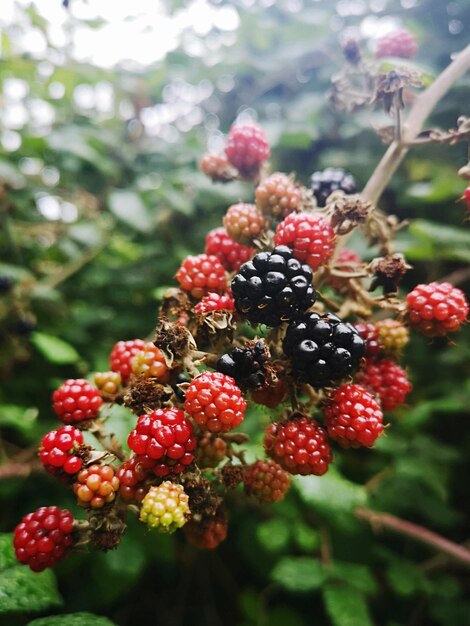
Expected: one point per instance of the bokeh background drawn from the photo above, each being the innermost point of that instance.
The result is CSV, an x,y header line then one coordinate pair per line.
x,y
105,109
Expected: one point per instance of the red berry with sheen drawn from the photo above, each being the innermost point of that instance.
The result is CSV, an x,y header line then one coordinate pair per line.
x,y
208,533
132,475
387,379
310,237
43,538
164,441
398,43
122,354
370,333
229,252
300,446
76,400
215,402
58,451
347,261
266,481
436,308
215,302
96,486
353,417
202,274
247,148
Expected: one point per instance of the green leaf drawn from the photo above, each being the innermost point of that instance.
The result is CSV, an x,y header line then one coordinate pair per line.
x,y
346,606
20,588
404,578
72,619
273,535
358,576
54,349
299,574
18,417
332,495
128,207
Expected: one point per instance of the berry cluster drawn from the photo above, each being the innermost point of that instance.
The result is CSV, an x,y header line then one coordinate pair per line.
x,y
327,370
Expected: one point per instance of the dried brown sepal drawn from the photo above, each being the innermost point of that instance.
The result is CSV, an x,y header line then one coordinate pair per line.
x,y
387,273
231,475
175,303
107,526
347,212
147,394
175,341
390,86
203,500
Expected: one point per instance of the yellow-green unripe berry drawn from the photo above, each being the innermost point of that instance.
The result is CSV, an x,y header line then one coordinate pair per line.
x,y
165,507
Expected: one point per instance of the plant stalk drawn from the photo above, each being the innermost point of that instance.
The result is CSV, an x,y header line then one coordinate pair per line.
x,y
379,520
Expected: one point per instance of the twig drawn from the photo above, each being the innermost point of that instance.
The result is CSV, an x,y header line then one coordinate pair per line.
x,y
379,520
17,469
421,109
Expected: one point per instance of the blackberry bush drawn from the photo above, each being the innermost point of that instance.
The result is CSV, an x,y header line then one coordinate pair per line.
x,y
275,311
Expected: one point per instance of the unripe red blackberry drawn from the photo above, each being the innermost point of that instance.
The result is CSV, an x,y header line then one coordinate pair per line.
x,y
96,486
165,507
58,451
122,354
208,533
370,333
202,274
323,349
229,252
273,287
270,395
398,43
266,481
436,309
393,336
310,237
324,182
132,475
43,538
211,450
247,366
277,196
347,261
215,402
164,440
108,383
247,148
150,363
244,223
76,400
217,168
215,302
353,416
300,446
386,379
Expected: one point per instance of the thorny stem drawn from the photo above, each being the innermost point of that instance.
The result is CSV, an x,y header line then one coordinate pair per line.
x,y
379,520
421,109
109,441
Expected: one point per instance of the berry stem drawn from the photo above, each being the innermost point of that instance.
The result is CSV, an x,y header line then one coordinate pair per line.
x,y
109,441
423,106
379,520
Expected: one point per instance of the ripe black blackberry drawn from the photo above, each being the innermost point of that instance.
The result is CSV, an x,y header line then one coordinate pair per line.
x,y
323,349
245,365
273,287
324,182
6,283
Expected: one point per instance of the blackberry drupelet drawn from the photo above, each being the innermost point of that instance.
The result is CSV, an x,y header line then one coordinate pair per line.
x,y
323,349
245,365
324,182
273,287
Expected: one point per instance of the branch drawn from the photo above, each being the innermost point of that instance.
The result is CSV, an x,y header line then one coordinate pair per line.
x,y
421,109
380,520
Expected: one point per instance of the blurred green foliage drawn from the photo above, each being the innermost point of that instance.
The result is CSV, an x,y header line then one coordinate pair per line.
x,y
98,205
